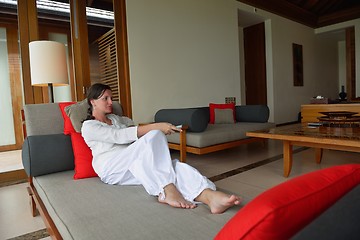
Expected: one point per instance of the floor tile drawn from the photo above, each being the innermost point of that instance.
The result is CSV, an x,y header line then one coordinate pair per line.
x,y
10,161
15,215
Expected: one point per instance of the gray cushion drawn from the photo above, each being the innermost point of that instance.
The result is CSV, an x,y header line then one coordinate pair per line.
x,y
252,113
43,154
224,116
77,112
195,118
340,221
219,133
43,119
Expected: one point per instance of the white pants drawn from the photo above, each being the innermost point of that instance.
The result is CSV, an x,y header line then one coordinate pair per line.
x,y
148,162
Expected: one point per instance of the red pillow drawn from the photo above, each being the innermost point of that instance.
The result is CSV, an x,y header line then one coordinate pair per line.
x,y
212,107
68,127
82,153
282,211
82,157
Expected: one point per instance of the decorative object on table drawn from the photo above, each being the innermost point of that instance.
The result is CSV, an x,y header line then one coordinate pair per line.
x,y
340,119
342,94
48,66
319,100
339,114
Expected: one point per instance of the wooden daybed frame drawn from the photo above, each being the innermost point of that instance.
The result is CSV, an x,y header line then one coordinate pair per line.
x,y
183,148
37,204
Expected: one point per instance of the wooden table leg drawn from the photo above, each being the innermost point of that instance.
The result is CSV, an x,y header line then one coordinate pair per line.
x,y
287,152
318,154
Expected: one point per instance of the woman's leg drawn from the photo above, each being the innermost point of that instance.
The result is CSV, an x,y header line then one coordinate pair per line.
x,y
147,162
194,186
217,201
190,181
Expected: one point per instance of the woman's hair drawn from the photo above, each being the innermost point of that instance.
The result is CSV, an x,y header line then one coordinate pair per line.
x,y
95,92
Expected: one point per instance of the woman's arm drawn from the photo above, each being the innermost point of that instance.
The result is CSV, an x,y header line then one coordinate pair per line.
x,y
94,131
166,128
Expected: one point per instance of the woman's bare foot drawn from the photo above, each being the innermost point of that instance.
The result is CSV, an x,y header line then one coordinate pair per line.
x,y
174,198
218,201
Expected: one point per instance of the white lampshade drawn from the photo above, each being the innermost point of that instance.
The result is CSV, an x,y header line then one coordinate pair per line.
x,y
48,63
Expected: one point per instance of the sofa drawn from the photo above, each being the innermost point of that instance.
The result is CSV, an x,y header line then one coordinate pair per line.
x,y
213,128
75,204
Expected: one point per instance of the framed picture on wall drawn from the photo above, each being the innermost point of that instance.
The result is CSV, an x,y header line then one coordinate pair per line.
x,y
298,64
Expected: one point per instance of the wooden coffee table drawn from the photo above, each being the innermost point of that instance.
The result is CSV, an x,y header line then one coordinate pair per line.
x,y
319,138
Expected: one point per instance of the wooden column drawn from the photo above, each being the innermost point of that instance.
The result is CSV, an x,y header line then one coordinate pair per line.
x,y
15,81
28,31
80,47
122,56
350,63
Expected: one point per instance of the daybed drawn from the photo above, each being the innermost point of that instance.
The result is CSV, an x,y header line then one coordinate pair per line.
x,y
86,208
213,128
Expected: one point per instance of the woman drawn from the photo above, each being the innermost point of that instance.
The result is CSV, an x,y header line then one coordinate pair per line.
x,y
125,154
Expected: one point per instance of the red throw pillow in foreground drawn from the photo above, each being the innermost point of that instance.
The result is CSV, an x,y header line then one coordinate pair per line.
x,y
283,210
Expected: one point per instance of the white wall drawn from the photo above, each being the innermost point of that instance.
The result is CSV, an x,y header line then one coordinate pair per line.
x,y
356,24
182,54
319,65
186,54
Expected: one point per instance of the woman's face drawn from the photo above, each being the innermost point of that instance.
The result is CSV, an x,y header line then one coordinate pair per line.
x,y
104,103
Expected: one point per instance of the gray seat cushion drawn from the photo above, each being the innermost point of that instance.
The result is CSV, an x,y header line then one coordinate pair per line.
x,y
90,209
219,133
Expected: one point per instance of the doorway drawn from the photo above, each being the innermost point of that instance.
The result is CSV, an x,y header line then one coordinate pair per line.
x,y
255,64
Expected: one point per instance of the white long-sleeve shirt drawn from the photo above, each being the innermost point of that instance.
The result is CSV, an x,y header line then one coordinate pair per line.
x,y
104,140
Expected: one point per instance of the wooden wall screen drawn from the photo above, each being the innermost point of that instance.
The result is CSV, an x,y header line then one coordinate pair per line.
x,y
107,62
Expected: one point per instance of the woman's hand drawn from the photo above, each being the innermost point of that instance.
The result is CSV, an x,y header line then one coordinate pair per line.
x,y
166,128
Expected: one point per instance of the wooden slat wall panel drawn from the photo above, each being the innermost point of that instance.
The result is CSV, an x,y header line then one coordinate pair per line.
x,y
107,62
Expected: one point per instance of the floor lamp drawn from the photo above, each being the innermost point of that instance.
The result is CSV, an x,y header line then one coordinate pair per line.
x,y
48,66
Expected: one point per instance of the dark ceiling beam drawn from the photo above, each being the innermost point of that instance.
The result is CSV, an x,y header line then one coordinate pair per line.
x,y
322,7
340,16
285,9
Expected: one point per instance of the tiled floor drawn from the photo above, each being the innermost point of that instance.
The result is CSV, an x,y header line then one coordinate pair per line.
x,y
10,161
15,218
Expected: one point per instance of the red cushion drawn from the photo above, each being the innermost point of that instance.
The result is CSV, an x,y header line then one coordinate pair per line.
x,y
282,211
68,127
82,157
212,107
